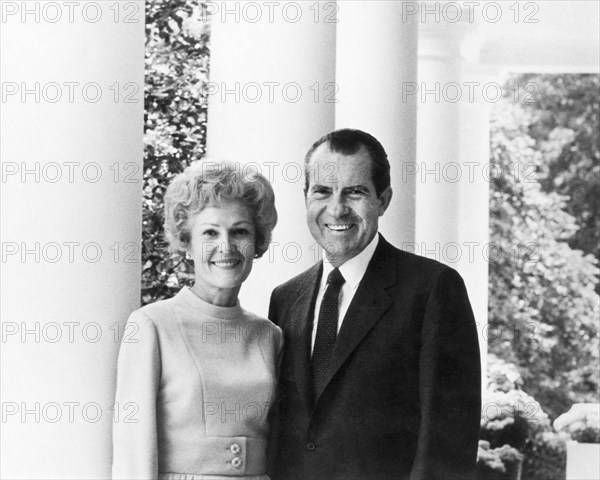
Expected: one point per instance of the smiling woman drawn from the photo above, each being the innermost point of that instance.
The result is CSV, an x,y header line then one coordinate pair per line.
x,y
201,371
217,213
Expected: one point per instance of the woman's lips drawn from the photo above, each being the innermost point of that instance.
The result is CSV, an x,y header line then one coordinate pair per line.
x,y
227,264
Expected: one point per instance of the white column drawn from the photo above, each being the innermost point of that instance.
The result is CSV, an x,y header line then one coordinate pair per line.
x,y
452,199
272,95
376,63
71,155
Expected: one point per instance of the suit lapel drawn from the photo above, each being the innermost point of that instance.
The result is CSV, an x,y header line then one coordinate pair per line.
x,y
369,304
302,311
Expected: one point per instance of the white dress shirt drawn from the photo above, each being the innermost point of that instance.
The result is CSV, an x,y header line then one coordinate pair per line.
x,y
353,271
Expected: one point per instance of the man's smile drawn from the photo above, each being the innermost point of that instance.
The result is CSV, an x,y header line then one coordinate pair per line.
x,y
339,227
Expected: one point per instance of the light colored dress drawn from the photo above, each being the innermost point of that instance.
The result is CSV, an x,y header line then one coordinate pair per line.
x,y
197,385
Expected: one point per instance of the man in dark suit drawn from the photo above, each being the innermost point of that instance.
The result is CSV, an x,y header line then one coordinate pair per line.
x,y
380,377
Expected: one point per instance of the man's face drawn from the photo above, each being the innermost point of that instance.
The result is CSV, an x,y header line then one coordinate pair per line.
x,y
342,208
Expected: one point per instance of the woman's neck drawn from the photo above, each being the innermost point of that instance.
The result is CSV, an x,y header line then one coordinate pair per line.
x,y
222,297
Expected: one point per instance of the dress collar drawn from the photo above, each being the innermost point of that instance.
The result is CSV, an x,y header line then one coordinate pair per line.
x,y
215,311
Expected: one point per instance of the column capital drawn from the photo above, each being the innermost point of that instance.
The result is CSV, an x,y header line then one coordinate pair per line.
x,y
449,31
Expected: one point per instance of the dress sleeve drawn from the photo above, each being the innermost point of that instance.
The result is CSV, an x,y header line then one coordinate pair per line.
x,y
135,450
278,335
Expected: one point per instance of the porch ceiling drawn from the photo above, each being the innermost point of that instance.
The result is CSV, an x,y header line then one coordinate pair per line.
x,y
566,38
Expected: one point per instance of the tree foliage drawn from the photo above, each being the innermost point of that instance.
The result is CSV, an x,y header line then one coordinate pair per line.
x,y
564,124
176,70
543,308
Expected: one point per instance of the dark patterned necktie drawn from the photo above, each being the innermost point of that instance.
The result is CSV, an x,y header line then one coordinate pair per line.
x,y
326,330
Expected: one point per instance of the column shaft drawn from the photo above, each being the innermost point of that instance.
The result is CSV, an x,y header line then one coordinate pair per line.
x,y
72,79
272,95
452,199
376,62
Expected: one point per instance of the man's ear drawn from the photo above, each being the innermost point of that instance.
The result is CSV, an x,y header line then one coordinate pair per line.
x,y
384,200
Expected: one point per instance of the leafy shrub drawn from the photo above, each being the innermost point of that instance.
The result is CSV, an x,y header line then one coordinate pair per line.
x,y
581,422
546,458
514,428
497,463
509,415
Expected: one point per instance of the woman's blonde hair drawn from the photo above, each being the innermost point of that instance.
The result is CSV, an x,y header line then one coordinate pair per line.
x,y
212,183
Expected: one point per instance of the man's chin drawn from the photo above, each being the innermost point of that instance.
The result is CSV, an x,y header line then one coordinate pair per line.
x,y
336,249
339,235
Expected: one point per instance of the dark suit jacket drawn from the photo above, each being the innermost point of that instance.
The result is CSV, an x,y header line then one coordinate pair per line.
x,y
402,400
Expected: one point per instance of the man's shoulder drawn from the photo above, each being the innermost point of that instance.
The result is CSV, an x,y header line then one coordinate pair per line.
x,y
300,281
389,255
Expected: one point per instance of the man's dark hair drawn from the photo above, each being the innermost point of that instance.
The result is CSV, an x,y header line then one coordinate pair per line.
x,y
348,141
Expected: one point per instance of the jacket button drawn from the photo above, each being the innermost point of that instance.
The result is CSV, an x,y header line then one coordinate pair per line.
x,y
235,449
310,446
236,462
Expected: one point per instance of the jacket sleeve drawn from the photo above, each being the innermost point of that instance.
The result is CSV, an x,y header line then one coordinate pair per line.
x,y
135,451
449,384
273,304
280,347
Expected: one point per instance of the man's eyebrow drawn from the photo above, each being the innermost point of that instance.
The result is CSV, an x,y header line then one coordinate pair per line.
x,y
357,187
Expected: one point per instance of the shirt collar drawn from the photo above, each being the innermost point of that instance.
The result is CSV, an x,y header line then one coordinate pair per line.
x,y
354,269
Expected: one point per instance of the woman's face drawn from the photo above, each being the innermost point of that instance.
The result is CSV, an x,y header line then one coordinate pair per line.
x,y
222,246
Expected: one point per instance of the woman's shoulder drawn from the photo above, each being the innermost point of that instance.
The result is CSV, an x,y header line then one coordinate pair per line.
x,y
262,321
155,313
267,328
